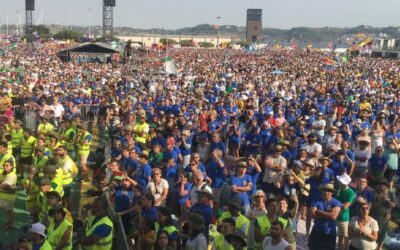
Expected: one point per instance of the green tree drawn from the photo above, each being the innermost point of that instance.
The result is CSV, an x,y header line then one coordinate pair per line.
x,y
186,43
165,41
69,35
206,45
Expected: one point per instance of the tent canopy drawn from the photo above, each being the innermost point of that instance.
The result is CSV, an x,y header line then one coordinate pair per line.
x,y
95,48
98,48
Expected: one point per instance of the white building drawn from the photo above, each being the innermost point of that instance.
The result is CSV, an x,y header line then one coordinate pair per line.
x,y
388,48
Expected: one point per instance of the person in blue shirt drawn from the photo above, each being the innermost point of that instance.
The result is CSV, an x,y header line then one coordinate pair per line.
x,y
185,146
143,172
233,134
123,199
324,210
254,170
147,207
377,166
363,195
215,171
182,188
203,207
241,185
342,164
216,143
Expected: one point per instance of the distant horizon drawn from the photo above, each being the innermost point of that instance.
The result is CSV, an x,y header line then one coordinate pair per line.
x,y
175,14
224,25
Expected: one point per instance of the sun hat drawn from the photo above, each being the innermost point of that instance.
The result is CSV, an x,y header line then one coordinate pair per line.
x,y
38,228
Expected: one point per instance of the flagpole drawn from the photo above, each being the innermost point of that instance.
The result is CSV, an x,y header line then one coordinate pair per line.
x,y
7,24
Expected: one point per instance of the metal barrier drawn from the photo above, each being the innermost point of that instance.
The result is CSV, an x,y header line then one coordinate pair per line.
x,y
119,241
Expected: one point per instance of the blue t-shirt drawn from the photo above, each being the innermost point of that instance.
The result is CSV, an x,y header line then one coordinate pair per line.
x,y
218,145
216,174
143,174
241,182
205,210
183,199
150,213
123,198
325,226
171,154
252,171
315,193
184,150
377,164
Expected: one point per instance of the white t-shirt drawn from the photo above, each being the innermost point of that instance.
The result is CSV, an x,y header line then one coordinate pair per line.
x,y
58,110
312,148
267,244
361,242
194,196
198,243
157,190
11,180
362,153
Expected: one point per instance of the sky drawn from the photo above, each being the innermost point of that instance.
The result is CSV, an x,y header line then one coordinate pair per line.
x,y
174,14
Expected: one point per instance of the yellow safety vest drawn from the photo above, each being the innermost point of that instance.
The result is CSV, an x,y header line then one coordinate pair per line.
x,y
56,185
16,137
70,145
83,149
43,206
140,128
5,195
27,147
221,243
9,147
40,163
240,221
169,229
32,196
54,235
46,246
45,129
104,243
265,226
68,174
5,158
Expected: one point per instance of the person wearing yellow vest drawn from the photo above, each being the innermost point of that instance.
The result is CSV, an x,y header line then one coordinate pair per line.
x,y
141,131
27,146
164,223
16,136
8,181
263,223
234,206
31,191
69,169
44,187
68,139
56,176
7,138
40,159
83,142
237,239
54,200
37,237
6,157
98,231
59,230
226,227
45,128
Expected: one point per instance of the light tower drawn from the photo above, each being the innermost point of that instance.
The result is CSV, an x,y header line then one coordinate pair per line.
x,y
108,19
29,8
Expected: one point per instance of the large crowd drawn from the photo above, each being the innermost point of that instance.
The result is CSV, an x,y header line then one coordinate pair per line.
x,y
232,152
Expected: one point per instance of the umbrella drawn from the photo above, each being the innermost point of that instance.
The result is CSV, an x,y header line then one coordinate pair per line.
x,y
278,72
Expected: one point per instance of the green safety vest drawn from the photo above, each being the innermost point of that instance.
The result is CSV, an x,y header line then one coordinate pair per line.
x,y
27,147
221,244
46,246
265,226
54,235
32,196
5,158
83,149
16,137
70,145
169,229
46,129
56,185
8,196
40,163
43,206
104,243
140,128
240,221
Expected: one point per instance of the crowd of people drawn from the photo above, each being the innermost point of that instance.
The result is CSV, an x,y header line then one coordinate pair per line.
x,y
224,155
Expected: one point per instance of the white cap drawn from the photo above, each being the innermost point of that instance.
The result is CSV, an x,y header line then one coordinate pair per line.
x,y
345,179
38,228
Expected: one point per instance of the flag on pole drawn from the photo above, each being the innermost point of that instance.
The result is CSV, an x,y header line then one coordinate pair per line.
x,y
169,66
